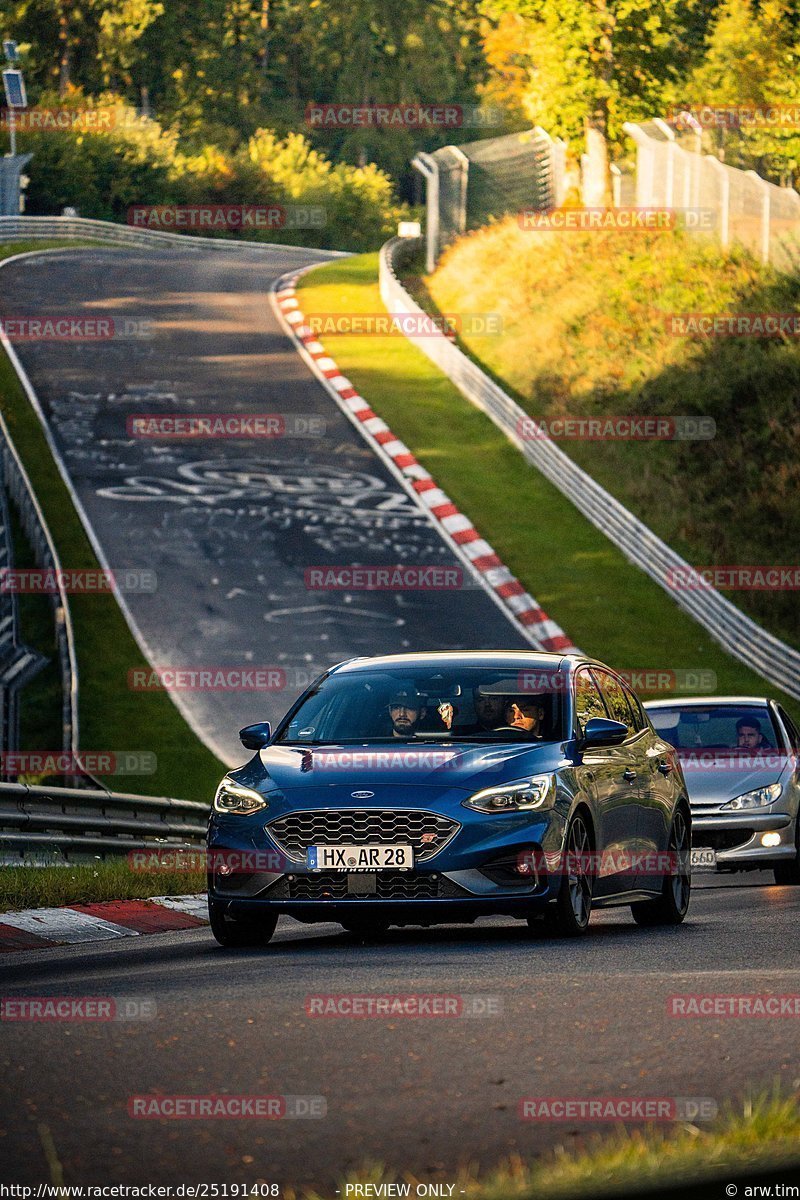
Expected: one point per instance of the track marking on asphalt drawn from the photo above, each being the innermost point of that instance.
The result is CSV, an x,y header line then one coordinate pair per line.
x,y
508,593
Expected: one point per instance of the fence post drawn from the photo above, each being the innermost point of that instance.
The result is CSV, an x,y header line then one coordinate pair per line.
x,y
429,168
644,152
764,187
724,200
616,185
463,182
672,150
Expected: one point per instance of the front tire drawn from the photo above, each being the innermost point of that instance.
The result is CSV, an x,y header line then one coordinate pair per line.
x,y
568,916
673,904
237,932
788,873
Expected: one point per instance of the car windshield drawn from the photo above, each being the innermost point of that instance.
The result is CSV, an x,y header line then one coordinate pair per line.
x,y
722,727
450,704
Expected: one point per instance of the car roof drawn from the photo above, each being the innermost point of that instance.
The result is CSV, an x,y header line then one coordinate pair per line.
x,y
458,658
706,701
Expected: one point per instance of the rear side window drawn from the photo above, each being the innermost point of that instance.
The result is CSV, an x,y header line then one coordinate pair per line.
x,y
616,700
588,701
791,729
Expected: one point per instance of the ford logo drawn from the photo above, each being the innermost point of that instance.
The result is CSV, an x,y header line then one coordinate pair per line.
x,y
362,795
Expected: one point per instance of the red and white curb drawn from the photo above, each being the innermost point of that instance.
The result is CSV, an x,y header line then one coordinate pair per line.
x,y
457,529
38,928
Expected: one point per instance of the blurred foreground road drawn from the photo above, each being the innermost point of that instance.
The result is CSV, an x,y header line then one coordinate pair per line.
x,y
579,1019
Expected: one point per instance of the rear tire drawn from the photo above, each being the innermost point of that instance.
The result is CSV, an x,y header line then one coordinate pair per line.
x,y
788,873
236,932
673,904
568,916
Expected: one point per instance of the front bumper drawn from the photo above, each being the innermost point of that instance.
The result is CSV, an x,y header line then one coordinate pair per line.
x,y
473,875
737,837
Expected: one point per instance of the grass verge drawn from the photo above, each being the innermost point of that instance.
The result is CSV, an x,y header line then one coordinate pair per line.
x,y
589,329
608,607
112,718
763,1136
48,887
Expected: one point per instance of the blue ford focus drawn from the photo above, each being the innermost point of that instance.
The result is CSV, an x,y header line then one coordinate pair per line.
x,y
419,789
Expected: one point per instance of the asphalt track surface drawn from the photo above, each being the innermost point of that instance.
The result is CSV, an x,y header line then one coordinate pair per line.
x,y
579,1019
229,526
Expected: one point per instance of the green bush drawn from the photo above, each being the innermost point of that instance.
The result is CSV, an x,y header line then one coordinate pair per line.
x,y
134,161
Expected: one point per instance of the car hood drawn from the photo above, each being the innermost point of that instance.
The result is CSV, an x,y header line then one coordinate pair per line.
x,y
715,779
355,769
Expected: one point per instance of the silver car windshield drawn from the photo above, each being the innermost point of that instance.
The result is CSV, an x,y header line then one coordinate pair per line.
x,y
720,727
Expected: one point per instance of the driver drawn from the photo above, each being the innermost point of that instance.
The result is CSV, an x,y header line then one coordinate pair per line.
x,y
749,735
406,710
525,714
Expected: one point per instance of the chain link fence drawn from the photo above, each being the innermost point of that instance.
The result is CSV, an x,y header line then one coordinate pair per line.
x,y
469,185
743,207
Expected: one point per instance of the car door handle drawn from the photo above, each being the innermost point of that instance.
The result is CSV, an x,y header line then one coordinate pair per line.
x,y
629,774
664,767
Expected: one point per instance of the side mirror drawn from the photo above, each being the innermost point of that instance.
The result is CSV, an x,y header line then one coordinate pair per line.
x,y
600,731
255,737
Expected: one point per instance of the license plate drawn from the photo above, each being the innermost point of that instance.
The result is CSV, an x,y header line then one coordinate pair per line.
x,y
397,856
703,859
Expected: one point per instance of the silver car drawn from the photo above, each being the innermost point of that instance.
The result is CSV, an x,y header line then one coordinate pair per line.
x,y
741,761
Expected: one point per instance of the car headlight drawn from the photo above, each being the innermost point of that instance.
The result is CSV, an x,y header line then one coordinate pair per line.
x,y
759,798
522,794
233,797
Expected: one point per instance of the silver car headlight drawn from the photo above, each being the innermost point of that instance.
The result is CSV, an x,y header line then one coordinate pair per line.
x,y
759,798
233,797
519,796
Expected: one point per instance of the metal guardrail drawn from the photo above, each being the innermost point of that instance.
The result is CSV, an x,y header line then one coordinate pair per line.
x,y
737,633
14,229
38,534
60,823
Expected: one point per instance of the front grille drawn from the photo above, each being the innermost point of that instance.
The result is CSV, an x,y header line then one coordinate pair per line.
x,y
390,885
721,839
427,832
